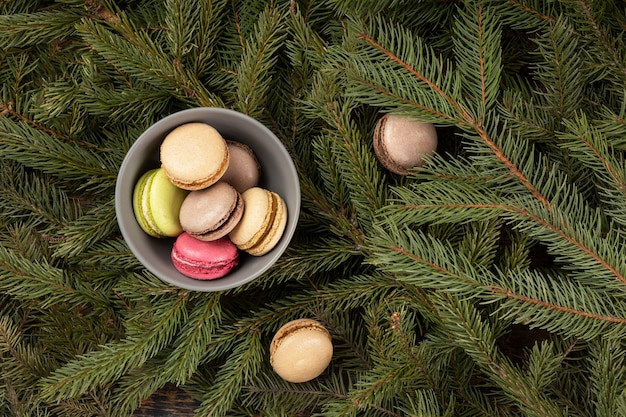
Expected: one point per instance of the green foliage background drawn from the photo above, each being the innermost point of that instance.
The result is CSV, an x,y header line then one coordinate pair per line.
x,y
490,283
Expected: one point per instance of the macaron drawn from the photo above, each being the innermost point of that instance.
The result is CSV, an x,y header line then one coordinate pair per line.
x,y
211,213
244,170
194,156
400,143
156,204
263,222
301,350
203,260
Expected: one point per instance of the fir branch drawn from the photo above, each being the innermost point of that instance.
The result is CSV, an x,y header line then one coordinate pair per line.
x,y
524,115
136,53
592,148
110,254
238,370
21,363
612,49
353,171
577,239
192,32
606,362
7,109
465,119
559,71
39,282
113,360
20,30
533,8
34,199
137,386
426,404
384,382
259,56
309,259
357,291
38,150
96,224
568,308
428,263
121,105
478,54
475,336
271,393
570,229
190,346
445,107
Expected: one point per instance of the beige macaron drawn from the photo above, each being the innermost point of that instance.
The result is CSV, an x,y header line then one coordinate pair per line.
x,y
263,222
301,350
400,143
194,156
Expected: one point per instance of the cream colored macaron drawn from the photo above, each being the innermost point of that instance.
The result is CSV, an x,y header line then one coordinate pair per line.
x,y
301,350
263,222
194,156
400,143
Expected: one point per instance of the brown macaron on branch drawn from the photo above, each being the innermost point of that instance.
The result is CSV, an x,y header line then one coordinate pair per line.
x,y
400,143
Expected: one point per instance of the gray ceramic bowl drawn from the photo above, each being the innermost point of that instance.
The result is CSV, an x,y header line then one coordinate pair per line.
x,y
278,175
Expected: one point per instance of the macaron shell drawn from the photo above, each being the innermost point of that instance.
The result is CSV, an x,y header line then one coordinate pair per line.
x,y
139,193
256,218
401,143
275,232
301,350
194,156
204,260
163,204
244,170
213,212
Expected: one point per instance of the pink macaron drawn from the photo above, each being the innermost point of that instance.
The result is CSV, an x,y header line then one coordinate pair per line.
x,y
204,260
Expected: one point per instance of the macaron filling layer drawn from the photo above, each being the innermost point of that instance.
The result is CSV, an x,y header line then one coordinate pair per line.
x,y
265,227
273,234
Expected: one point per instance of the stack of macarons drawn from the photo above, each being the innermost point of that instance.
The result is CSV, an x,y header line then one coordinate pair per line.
x,y
206,194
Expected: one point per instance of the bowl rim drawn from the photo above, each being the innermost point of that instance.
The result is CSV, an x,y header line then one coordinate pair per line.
x,y
187,116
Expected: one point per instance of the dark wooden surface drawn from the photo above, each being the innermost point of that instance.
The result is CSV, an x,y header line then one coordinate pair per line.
x,y
168,402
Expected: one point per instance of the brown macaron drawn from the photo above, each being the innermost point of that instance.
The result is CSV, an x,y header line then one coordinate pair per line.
x,y
194,156
301,350
400,143
211,213
244,170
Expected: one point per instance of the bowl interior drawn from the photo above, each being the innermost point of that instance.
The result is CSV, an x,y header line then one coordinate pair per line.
x,y
278,174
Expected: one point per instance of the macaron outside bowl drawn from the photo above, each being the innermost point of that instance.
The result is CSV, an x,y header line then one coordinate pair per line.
x,y
278,174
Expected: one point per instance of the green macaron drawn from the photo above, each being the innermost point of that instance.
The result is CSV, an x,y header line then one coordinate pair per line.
x,y
156,203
